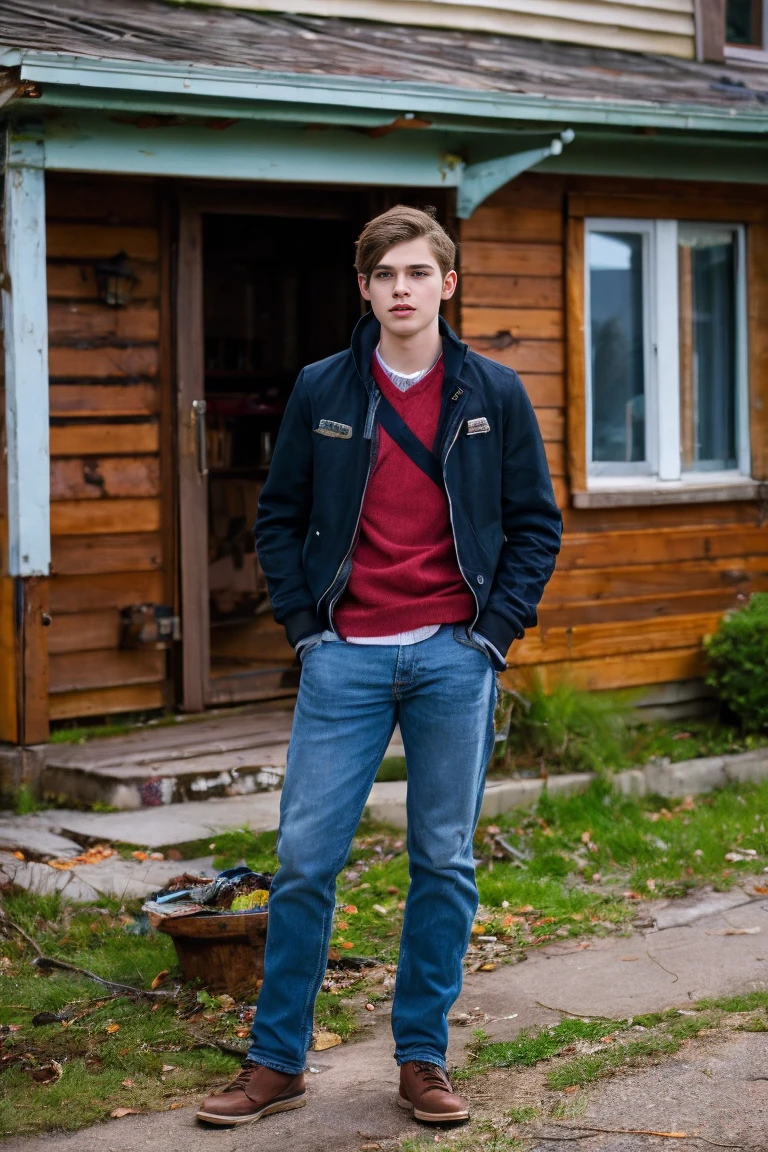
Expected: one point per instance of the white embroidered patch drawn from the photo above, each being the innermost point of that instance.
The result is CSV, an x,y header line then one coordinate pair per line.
x,y
478,426
333,428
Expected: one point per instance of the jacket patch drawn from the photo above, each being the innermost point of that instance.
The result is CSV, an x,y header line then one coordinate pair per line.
x,y
333,428
478,426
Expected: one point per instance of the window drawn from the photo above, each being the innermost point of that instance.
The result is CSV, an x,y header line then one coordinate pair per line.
x,y
665,329
743,22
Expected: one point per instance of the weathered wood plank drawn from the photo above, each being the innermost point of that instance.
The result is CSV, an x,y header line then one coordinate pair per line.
x,y
99,199
531,190
103,400
661,545
78,281
615,671
77,671
511,291
33,600
645,608
545,391
652,579
757,313
106,701
94,479
576,375
92,439
551,424
100,241
76,322
519,323
103,363
9,665
485,257
651,205
91,517
84,632
623,638
662,516
514,224
523,356
122,552
99,592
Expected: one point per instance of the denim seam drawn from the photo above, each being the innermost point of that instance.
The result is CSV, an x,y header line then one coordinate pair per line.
x,y
421,1058
277,1067
308,1010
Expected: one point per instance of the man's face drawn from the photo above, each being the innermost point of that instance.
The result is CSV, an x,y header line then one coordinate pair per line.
x,y
406,287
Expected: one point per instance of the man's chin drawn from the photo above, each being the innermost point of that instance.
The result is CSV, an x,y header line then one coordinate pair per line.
x,y
410,325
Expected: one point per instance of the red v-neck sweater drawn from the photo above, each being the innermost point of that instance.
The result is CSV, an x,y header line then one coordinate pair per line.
x,y
405,573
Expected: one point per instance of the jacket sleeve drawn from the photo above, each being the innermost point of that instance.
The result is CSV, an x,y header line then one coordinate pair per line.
x,y
285,506
532,527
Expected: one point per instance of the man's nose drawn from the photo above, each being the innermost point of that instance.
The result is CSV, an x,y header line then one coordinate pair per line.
x,y
401,286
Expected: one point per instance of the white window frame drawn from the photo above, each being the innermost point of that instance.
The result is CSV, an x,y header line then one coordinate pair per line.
x,y
662,362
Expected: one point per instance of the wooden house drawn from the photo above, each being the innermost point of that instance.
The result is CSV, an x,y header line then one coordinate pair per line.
x,y
183,184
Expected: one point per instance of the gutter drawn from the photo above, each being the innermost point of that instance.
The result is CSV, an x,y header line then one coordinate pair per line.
x,y
249,87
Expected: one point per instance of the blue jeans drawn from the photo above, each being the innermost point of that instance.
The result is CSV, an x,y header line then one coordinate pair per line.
x,y
442,692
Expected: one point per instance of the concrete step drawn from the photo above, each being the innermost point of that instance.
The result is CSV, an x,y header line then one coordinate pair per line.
x,y
226,756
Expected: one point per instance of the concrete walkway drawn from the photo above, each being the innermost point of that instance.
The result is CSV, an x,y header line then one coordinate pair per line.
x,y
715,1085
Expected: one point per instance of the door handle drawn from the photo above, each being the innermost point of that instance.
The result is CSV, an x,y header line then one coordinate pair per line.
x,y
198,419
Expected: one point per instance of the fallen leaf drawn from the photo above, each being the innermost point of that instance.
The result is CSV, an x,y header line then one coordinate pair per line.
x,y
177,1104
650,885
140,855
681,736
628,959
347,944
380,909
342,925
241,1032
127,1083
489,967
112,1028
173,854
760,889
118,1113
159,979
334,954
350,909
323,1040
370,1008
393,890
156,856
18,855
168,1068
227,1002
586,837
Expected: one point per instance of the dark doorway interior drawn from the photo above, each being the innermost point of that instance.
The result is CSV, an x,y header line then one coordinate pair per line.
x,y
279,293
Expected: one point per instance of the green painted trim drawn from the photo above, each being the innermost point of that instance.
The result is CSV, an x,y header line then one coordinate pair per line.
x,y
193,83
671,158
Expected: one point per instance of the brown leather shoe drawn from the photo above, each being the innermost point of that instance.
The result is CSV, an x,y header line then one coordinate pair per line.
x,y
256,1092
426,1091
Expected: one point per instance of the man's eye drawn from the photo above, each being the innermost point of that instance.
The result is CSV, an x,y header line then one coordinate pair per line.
x,y
382,275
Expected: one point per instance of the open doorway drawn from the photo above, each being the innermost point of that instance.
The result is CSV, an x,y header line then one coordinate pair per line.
x,y
265,284
277,294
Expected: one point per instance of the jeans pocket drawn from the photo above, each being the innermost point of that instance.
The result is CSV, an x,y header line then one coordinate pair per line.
x,y
315,642
461,635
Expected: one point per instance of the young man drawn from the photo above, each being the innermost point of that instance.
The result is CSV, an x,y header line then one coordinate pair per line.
x,y
407,530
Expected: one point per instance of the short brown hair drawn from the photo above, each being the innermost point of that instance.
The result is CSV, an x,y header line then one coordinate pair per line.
x,y
397,226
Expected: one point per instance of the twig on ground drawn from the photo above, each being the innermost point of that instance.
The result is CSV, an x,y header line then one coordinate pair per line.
x,y
5,923
210,1042
510,849
127,989
576,1015
592,1128
660,965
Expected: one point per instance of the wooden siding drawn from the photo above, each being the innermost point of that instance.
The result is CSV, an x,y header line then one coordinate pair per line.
x,y
105,401
660,26
635,589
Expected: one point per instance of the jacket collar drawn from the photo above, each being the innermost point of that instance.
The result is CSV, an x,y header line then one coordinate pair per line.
x,y
366,335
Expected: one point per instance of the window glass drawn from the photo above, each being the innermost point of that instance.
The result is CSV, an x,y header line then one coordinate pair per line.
x,y
617,342
742,24
708,348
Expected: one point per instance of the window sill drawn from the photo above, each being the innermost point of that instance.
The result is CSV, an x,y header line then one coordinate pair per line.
x,y
742,54
618,495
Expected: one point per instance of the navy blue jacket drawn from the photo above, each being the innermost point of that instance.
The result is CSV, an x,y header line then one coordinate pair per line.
x,y
506,525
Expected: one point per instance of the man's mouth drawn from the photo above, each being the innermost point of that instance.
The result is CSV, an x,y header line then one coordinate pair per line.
x,y
402,308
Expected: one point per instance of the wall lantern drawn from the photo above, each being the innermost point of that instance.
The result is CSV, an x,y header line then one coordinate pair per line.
x,y
116,281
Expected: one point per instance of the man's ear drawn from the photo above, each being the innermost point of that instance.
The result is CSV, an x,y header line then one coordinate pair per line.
x,y
362,283
449,285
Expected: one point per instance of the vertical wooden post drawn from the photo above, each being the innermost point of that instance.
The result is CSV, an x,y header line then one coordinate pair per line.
x,y
25,323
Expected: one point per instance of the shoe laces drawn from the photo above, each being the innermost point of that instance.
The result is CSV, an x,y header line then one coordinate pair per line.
x,y
243,1077
433,1075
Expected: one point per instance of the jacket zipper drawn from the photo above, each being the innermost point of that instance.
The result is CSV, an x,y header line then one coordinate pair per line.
x,y
350,550
453,529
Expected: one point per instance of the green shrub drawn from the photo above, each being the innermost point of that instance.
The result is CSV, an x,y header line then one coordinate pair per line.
x,y
738,660
568,730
